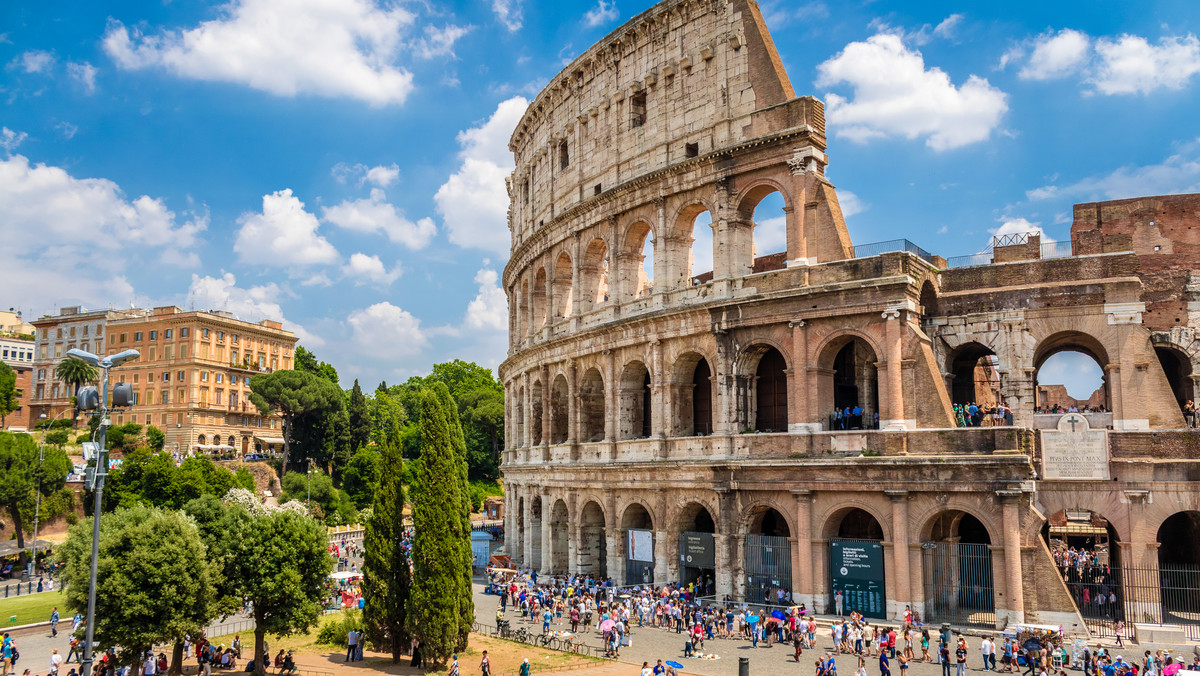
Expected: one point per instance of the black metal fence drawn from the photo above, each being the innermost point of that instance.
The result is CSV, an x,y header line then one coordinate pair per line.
x,y
958,583
1169,595
768,568
876,248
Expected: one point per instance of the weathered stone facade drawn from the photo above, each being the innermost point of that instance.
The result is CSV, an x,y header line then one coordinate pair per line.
x,y
676,402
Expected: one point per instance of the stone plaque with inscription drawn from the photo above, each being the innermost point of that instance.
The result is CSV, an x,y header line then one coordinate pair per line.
x,y
1074,450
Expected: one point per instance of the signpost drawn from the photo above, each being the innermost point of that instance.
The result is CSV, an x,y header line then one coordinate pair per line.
x,y
857,571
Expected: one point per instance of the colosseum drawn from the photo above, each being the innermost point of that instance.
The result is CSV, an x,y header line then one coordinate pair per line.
x,y
670,424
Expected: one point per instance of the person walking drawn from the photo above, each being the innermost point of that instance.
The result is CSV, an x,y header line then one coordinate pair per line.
x,y
884,664
525,667
960,656
985,649
453,666
54,622
944,657
352,645
56,660
837,602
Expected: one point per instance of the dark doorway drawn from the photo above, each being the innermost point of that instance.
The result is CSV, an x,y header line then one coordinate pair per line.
x,y
646,417
771,393
702,398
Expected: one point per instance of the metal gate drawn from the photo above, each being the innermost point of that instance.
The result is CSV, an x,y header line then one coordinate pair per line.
x,y
768,568
1165,595
958,583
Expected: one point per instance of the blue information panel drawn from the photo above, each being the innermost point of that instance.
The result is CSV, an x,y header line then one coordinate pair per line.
x,y
857,571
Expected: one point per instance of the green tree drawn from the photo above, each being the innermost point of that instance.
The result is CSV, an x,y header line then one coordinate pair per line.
x,y
292,394
387,572
155,583
388,417
21,477
307,361
359,412
335,506
438,603
155,438
459,447
75,373
57,438
9,393
280,561
360,479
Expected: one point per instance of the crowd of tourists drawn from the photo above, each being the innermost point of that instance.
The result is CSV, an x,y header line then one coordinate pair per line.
x,y
972,414
853,418
1090,580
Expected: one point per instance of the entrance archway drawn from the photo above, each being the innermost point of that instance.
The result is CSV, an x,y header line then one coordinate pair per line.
x,y
847,379
591,406
957,564
1179,570
697,548
521,554
593,544
534,555
559,537
639,545
768,557
1084,547
858,580
974,370
691,384
771,395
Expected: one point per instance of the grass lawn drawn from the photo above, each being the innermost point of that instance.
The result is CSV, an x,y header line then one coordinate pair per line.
x,y
30,608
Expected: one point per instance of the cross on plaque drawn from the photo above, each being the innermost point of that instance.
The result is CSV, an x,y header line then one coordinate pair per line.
x,y
1072,420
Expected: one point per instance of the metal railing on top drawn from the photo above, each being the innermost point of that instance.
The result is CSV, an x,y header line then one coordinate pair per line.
x,y
876,248
1048,250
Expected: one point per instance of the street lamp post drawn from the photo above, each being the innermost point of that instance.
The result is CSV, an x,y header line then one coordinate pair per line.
x,y
37,509
105,363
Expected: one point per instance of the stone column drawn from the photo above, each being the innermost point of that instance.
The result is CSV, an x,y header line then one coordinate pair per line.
x,y
802,558
611,382
615,256
573,547
547,535
797,248
545,377
527,549
572,402
900,555
1012,557
799,413
616,554
739,566
722,556
893,417
662,558
526,412
576,286
657,386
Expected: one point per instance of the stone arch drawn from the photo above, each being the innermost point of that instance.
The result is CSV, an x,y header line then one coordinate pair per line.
x,y
767,554
693,394
537,300
957,569
639,563
201,439
1177,367
762,387
694,251
847,377
928,518
634,281
637,513
560,530
593,543
697,517
928,299
974,375
562,287
521,441
831,526
750,237
758,189
591,406
634,419
1071,341
593,275
696,553
560,397
536,405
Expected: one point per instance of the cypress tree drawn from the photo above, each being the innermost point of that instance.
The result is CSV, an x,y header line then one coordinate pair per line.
x,y
359,414
386,575
459,444
436,606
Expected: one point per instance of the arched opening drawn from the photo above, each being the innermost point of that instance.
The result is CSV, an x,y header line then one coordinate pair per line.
x,y
1179,568
1178,369
691,384
1084,547
593,276
593,545
201,440
535,413
771,393
634,402
957,566
696,222
636,261
761,236
538,300
519,546
534,555
639,545
848,384
697,548
928,300
230,441
562,288
768,557
975,380
1070,375
591,406
559,407
856,563
523,324
521,441
559,536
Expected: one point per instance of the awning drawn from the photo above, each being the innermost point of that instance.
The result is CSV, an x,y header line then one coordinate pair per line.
x,y
272,441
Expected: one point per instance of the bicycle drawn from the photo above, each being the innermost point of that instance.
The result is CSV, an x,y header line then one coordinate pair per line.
x,y
521,635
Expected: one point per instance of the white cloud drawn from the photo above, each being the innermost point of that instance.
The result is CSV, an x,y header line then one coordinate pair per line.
x,y
1057,55
83,73
332,48
1019,226
376,214
489,308
283,235
473,202
384,329
949,26
253,304
1131,65
895,95
383,176
604,12
67,129
508,12
850,203
35,61
439,42
370,270
1178,173
10,140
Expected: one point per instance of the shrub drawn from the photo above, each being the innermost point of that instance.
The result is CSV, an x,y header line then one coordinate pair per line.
x,y
58,437
83,437
333,632
72,518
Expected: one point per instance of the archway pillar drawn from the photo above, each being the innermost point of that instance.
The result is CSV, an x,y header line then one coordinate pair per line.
x,y
900,555
893,417
547,535
820,571
573,547
738,543
616,554
722,554
802,551
799,412
1014,575
547,397
1141,554
573,422
663,559
527,548
610,398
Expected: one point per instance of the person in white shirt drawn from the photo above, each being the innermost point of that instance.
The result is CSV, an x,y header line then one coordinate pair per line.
x,y
55,660
989,653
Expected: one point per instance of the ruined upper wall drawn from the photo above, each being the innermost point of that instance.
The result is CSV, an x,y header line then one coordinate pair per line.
x,y
680,80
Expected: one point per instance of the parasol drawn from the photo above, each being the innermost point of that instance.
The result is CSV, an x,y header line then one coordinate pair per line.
x,y
752,618
1171,669
672,663
778,614
607,625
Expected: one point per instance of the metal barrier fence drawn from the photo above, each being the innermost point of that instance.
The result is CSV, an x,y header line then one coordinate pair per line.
x,y
958,584
876,248
1168,595
575,644
768,567
23,589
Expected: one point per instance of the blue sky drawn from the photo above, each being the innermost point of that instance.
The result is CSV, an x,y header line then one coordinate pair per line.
x,y
339,164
